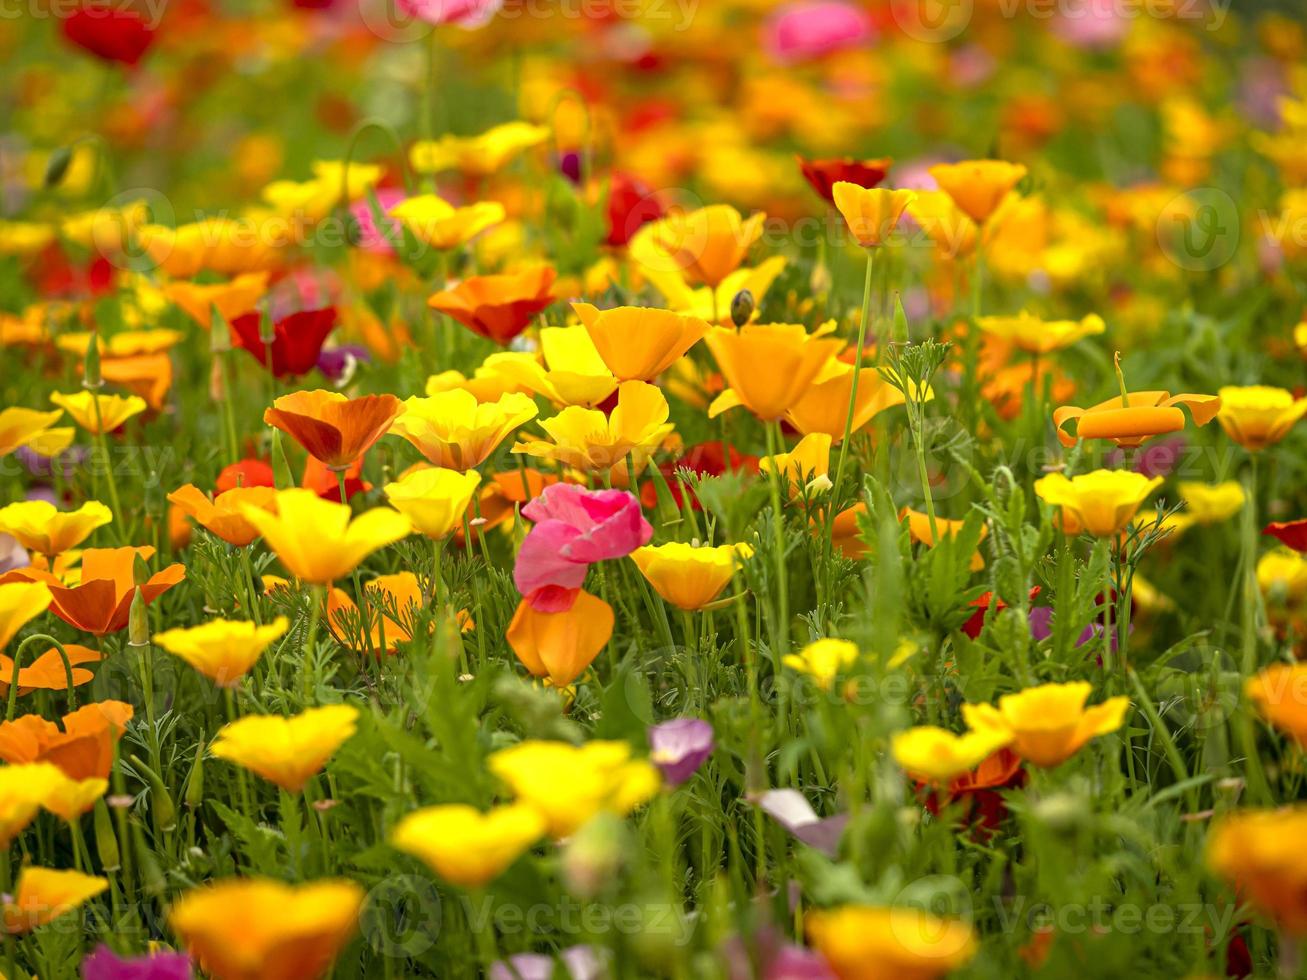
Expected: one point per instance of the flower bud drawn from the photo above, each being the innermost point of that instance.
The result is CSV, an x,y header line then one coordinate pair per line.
x,y
165,810
280,465
138,622
91,378
267,328
219,332
742,308
593,857
195,782
57,166
106,842
151,874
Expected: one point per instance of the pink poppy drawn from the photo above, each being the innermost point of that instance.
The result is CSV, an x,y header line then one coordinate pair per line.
x,y
574,528
467,14
815,28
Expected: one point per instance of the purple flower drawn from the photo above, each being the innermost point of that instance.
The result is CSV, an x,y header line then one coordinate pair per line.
x,y
579,963
791,809
1041,628
44,466
104,964
12,554
680,746
1158,458
569,165
338,363
766,956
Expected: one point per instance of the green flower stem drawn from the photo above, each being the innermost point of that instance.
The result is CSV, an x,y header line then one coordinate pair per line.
x,y
317,597
857,373
781,643
18,660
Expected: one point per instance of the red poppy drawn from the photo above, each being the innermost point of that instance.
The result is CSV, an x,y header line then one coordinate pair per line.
x,y
976,623
979,789
631,204
297,339
325,483
823,175
1292,533
110,32
708,458
246,473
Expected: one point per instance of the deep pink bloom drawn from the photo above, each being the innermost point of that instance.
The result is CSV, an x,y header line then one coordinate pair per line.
x,y
373,236
574,528
467,14
814,28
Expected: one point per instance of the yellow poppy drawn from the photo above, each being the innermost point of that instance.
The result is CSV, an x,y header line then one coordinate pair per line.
x,y
1258,416
862,942
464,845
286,751
559,646
476,156
96,413
38,526
872,213
451,429
689,576
637,343
44,894
1039,336
222,650
978,187
441,225
1102,503
434,500
28,427
768,367
1048,724
939,756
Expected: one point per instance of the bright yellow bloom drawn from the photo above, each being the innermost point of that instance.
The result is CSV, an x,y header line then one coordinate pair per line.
x,y
1280,571
1258,416
255,929
569,784
590,441
710,303
872,213
823,660
21,602
1102,503
1280,693
28,427
227,246
44,894
24,237
978,187
313,199
1048,724
1260,853
72,798
127,343
105,230
1206,503
231,298
476,156
938,756
689,576
316,539
949,227
38,526
441,225
824,407
805,466
465,846
434,499
286,751
99,413
704,246
573,373
1038,336
222,650
863,942
769,367
24,789
451,429
638,343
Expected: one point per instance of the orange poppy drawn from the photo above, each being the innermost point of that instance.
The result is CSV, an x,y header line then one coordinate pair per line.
x,y
47,672
223,515
82,749
102,600
334,429
1145,414
498,307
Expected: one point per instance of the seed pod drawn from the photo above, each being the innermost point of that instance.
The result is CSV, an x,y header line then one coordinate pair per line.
x,y
742,308
106,842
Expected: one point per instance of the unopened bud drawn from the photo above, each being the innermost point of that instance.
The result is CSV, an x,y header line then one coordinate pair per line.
x,y
219,332
195,783
138,622
165,810
267,328
742,308
106,842
594,855
91,377
151,873
57,166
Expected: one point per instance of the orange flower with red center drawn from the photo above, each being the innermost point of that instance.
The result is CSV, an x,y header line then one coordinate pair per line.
x,y
497,307
335,430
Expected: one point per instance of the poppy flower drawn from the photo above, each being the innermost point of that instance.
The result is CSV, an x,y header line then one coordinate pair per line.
x,y
39,527
434,499
574,528
1143,415
705,458
980,790
465,846
286,751
573,372
47,672
480,155
949,228
230,299
978,187
43,895
920,530
222,650
678,747
111,32
938,756
105,964
984,604
594,442
224,515
24,787
689,576
245,473
636,343
1102,503
443,226
631,205
1050,723
559,645
325,482
1258,416
804,467
20,602
706,245
296,343
769,367
823,660
28,427
99,414
100,602
394,600
862,942
1291,533
498,307
334,429
243,928
569,784
319,541
82,749
823,174
1205,504
1038,336
1259,852
1280,694
871,214
452,429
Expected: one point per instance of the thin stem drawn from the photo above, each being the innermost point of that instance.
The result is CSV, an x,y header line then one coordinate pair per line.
x,y
782,640
317,597
857,373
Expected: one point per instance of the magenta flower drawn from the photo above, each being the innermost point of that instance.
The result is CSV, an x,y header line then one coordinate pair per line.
x,y
105,964
813,28
574,528
679,747
467,14
375,236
